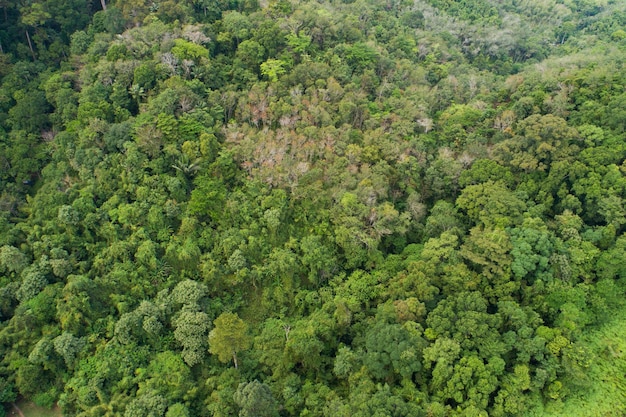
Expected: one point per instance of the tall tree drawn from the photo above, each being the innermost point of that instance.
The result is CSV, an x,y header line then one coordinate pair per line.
x,y
228,337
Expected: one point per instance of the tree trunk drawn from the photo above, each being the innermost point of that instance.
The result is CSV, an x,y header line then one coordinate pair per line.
x,y
104,5
30,45
235,359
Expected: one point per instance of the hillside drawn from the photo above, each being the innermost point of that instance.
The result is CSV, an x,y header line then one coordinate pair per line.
x,y
313,208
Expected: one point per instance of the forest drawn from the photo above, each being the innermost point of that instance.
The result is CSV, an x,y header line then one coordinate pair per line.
x,y
315,208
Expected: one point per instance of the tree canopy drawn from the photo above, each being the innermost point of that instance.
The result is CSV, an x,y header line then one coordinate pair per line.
x,y
299,208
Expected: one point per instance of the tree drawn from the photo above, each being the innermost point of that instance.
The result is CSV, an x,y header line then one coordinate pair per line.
x,y
167,375
228,337
464,318
443,354
511,398
317,257
472,383
78,303
177,410
269,345
491,204
488,252
304,346
236,28
443,217
33,282
12,260
191,330
393,349
251,54
483,170
185,50
532,248
272,68
540,141
458,122
69,347
207,198
367,399
189,293
360,56
255,400
149,404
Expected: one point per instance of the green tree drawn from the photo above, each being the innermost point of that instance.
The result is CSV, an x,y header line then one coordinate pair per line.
x,y
12,260
532,248
272,68
540,140
491,204
443,217
177,410
463,317
167,375
228,337
488,252
185,50
255,399
149,404
393,349
69,347
189,294
269,345
191,328
317,257
251,54
483,170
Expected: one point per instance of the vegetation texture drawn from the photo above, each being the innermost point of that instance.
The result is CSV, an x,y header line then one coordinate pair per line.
x,y
323,208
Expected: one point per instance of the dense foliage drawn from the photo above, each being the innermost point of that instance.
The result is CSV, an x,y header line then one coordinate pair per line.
x,y
330,208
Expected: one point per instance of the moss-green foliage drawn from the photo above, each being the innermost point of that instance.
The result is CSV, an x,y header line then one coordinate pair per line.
x,y
601,392
342,208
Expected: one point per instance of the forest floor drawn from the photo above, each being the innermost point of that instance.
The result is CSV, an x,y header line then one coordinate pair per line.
x,y
25,408
604,393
